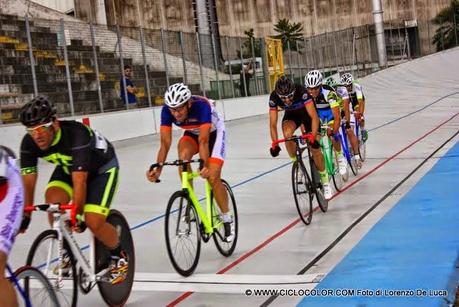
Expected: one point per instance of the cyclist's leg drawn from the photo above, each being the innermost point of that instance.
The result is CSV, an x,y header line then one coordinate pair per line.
x,y
100,193
290,123
59,189
11,208
351,135
6,288
187,147
217,146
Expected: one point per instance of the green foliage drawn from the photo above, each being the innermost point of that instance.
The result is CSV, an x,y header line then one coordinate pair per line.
x,y
247,45
289,33
448,21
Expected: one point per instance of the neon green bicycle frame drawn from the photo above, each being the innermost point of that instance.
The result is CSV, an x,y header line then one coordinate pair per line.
x,y
205,217
326,147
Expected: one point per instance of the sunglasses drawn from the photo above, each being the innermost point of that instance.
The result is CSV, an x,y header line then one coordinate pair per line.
x,y
39,129
286,96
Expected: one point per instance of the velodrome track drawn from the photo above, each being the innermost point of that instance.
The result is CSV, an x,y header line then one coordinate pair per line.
x,y
412,112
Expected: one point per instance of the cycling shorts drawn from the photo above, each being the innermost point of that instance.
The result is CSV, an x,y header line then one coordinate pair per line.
x,y
100,190
299,117
217,144
11,207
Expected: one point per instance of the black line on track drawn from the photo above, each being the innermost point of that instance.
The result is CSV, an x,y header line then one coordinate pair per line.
x,y
348,229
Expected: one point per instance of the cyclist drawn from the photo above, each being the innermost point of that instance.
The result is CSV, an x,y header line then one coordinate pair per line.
x,y
357,99
11,207
327,103
204,135
299,111
346,114
86,172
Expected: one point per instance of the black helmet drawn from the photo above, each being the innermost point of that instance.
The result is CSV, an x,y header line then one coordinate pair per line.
x,y
39,110
284,86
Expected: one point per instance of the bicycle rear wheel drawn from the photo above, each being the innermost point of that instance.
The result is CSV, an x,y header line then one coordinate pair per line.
x,y
116,295
338,179
39,291
44,255
225,248
303,198
183,238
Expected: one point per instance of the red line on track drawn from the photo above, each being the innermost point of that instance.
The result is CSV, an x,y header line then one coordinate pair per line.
x,y
289,226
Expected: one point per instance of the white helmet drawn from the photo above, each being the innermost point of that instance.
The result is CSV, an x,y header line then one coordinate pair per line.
x,y
177,95
346,78
313,79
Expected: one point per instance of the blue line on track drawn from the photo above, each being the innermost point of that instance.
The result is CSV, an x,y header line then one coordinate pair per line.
x,y
288,163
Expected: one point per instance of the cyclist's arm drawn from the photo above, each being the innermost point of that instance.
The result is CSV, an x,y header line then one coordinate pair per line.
x,y
337,119
30,181
79,180
361,105
273,125
166,140
204,133
360,100
314,119
347,111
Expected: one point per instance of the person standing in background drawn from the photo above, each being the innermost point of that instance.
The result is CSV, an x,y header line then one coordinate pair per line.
x,y
131,90
245,75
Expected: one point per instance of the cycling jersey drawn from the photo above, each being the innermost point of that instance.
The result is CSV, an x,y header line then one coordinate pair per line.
x,y
202,112
356,94
326,100
342,91
77,147
296,111
11,205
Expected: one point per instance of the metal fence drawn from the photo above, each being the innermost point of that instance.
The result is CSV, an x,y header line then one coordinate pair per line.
x,y
80,66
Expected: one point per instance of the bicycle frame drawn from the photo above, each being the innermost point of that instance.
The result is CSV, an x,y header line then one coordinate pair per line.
x,y
63,232
205,217
327,148
344,141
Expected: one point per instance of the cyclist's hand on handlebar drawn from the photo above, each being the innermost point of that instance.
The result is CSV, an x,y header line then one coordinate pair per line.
x,y
154,174
274,151
204,172
24,224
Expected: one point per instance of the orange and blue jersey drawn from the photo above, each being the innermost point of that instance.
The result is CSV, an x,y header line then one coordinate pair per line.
x,y
201,112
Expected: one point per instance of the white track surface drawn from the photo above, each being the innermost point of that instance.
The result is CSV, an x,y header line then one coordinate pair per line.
x,y
265,201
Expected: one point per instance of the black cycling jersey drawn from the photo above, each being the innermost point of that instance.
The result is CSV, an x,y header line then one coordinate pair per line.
x,y
75,147
300,98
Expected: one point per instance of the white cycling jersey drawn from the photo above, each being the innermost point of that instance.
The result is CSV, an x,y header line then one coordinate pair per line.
x,y
11,204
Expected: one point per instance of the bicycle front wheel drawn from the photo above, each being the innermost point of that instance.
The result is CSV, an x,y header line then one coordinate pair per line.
x,y
303,199
317,186
116,295
39,291
183,238
362,149
44,255
225,248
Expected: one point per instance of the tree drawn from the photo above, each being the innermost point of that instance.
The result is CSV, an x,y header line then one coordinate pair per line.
x,y
446,36
289,33
247,45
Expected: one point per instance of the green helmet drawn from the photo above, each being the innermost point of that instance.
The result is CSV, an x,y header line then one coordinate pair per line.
x,y
330,81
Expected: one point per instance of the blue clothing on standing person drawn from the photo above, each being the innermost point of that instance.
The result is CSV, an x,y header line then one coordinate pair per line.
x,y
131,97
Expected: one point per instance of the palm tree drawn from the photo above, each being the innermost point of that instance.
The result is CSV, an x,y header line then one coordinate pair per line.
x,y
446,36
247,45
289,33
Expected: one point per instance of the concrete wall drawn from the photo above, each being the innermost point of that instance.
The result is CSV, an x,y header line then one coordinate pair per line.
x,y
117,126
237,16
58,5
